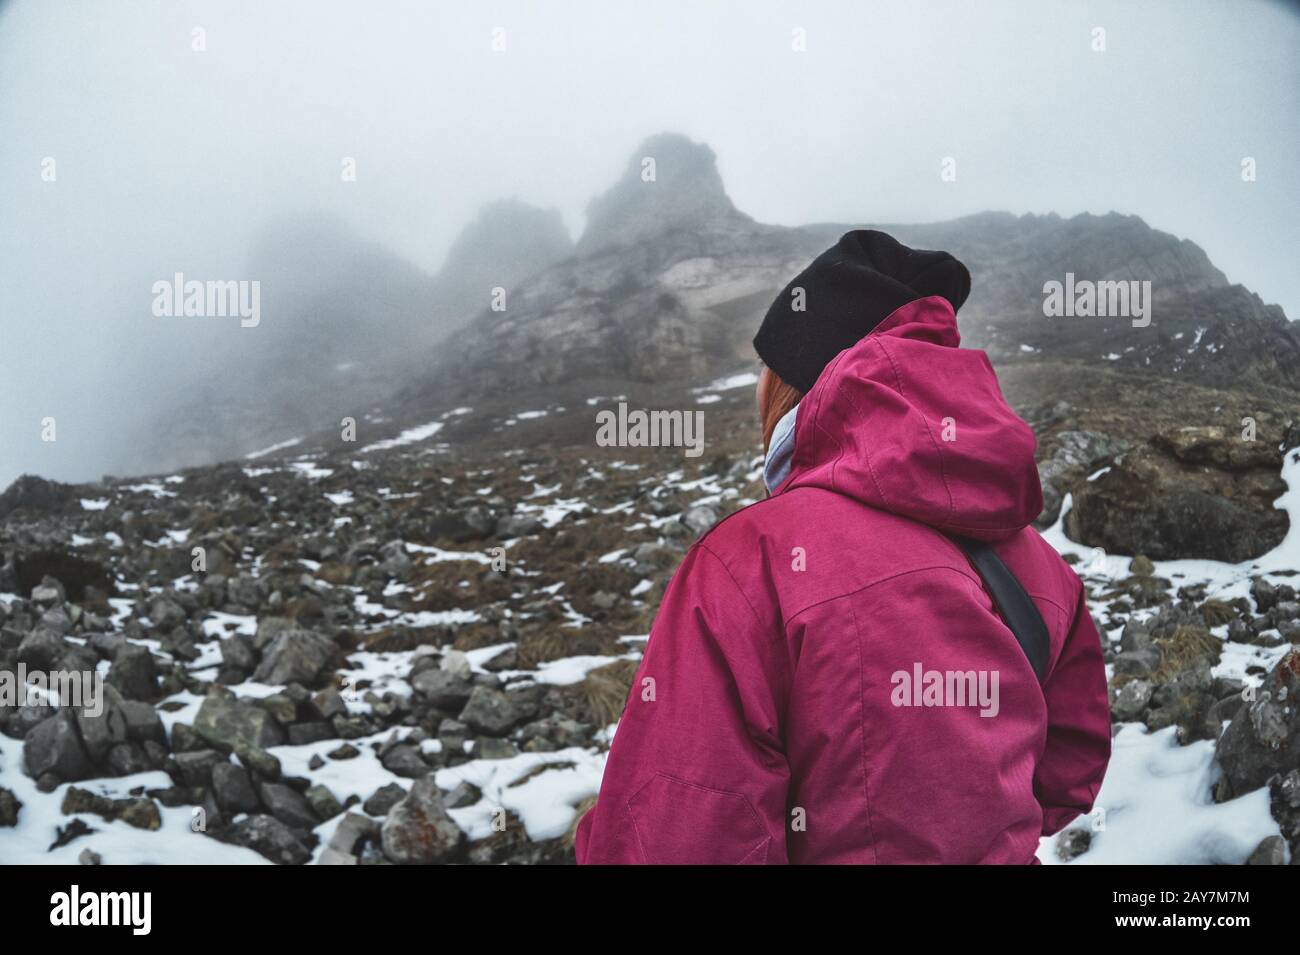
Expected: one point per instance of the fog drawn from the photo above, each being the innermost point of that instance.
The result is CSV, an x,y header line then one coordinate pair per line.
x,y
170,159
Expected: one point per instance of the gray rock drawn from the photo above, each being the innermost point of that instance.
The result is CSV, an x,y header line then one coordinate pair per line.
x,y
55,747
57,620
295,656
287,805
465,794
1135,636
1073,843
270,838
237,651
9,807
142,722
195,769
268,628
489,711
126,759
1128,702
418,830
491,747
281,707
328,703
258,761
1264,594
49,592
351,831
228,724
453,734
518,525
404,760
323,802
165,613
133,673
395,562
234,788
41,650
1270,851
699,519
560,730
1137,663
443,689
1264,738
456,662
300,734
383,799
1077,453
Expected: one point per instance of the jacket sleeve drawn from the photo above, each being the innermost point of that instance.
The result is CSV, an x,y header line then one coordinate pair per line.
x,y
1078,726
696,773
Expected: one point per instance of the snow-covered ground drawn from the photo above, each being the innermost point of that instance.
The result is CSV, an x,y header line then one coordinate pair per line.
x,y
1155,804
1154,807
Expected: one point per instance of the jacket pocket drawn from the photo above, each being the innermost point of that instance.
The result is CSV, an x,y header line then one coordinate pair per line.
x,y
680,823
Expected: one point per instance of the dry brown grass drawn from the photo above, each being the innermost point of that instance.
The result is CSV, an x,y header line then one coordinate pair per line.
x,y
604,692
583,808
1217,612
542,646
1183,649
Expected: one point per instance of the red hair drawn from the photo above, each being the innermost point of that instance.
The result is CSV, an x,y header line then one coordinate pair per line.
x,y
775,399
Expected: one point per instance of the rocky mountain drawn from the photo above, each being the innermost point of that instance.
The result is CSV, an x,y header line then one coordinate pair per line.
x,y
411,647
670,280
665,288
342,321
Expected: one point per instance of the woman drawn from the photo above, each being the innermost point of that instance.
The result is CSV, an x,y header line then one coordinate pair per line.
x,y
827,680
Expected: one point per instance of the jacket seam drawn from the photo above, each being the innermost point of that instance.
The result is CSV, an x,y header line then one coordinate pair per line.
x,y
880,580
758,821
734,583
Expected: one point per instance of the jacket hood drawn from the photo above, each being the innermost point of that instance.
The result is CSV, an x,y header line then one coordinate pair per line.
x,y
907,422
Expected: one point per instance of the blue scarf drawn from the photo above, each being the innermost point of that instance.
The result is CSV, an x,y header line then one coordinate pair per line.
x,y
780,452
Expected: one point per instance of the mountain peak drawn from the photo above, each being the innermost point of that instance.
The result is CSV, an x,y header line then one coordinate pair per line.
x,y
510,236
670,182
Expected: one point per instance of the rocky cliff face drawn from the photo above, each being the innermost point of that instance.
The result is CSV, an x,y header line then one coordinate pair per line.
x,y
668,283
670,184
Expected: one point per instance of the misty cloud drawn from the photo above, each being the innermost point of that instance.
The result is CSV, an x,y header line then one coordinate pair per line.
x,y
130,156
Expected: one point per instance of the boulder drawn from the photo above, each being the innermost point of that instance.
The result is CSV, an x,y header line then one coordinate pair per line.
x,y
418,830
133,673
295,656
270,838
1154,503
55,747
229,724
489,711
287,805
1264,738
233,788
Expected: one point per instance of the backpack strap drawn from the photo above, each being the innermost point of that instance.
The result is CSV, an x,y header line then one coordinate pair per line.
x,y
1015,606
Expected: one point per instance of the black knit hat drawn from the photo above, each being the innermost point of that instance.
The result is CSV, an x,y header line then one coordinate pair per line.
x,y
847,291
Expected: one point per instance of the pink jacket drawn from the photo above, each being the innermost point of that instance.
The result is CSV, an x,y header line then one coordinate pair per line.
x,y
788,705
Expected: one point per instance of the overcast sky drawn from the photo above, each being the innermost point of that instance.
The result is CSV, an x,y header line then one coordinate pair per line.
x,y
171,159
